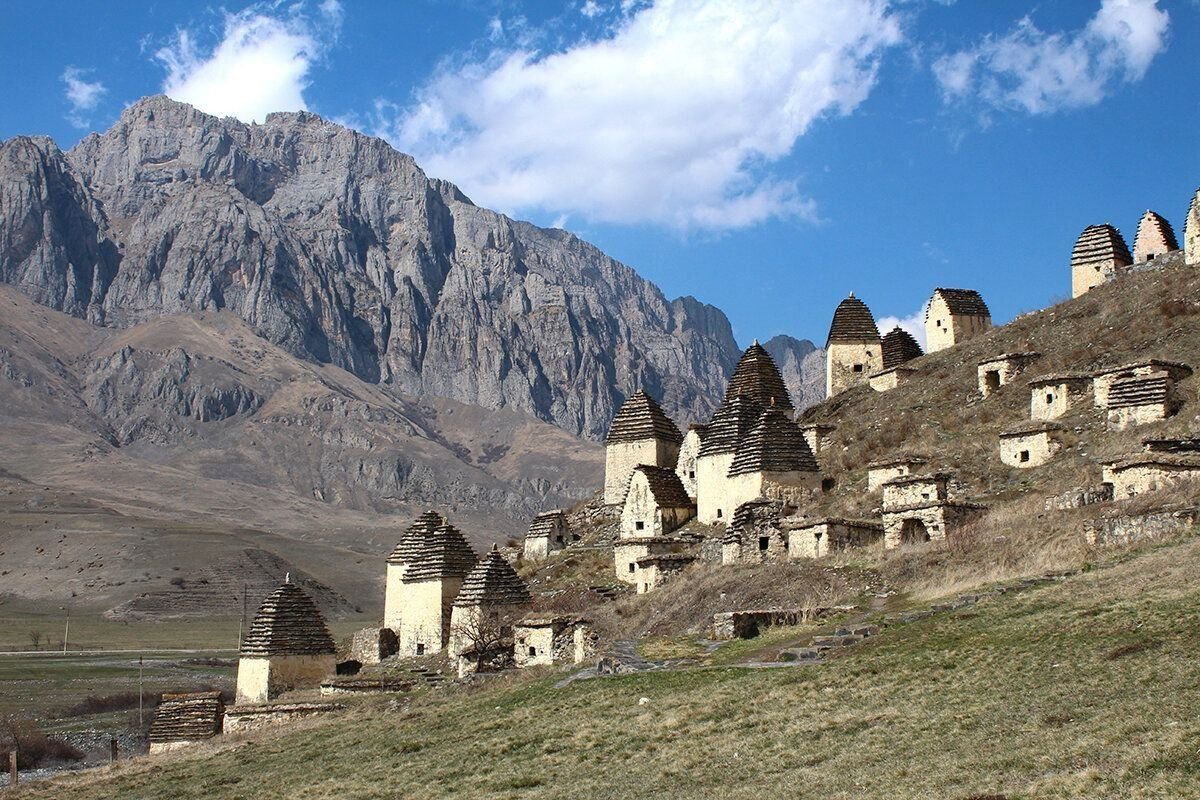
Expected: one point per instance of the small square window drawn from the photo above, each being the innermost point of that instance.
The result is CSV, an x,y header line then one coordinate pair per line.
x,y
632,568
420,649
939,323
639,525
1024,456
764,542
858,367
691,475
720,513
532,652
1049,398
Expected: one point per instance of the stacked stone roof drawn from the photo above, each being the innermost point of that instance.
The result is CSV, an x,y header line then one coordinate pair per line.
x,y
640,418
544,525
774,444
1140,390
899,347
1176,369
962,302
1029,426
493,582
288,624
1184,445
189,717
665,486
413,539
1100,245
852,323
730,424
445,554
1155,236
758,377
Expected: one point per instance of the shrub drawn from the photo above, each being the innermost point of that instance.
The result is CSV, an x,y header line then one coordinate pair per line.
x,y
34,748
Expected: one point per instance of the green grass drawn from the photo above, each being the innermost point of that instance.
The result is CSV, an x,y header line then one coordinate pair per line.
x,y
1085,688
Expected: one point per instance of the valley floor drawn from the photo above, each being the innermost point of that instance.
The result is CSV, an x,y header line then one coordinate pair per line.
x,y
1081,688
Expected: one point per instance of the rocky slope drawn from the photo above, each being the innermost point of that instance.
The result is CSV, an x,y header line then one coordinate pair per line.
x,y
340,250
802,365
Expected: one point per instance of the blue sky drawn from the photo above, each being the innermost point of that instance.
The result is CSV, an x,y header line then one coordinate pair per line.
x,y
767,156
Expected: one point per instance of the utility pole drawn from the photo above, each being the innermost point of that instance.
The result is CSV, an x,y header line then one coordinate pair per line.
x,y
66,627
141,723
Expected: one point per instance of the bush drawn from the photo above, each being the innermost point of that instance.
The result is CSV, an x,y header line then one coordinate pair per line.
x,y
34,748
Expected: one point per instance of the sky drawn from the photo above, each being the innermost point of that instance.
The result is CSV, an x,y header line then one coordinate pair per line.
x,y
766,156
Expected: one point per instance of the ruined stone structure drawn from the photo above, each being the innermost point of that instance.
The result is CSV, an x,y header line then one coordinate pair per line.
x,y
818,436
1155,237
822,537
1003,370
1191,232
182,720
1100,255
287,647
243,719
919,509
888,379
548,532
953,316
888,469
629,553
656,503
853,350
485,610
373,645
1104,379
1151,472
640,434
685,468
1140,399
1031,443
408,548
655,570
1052,396
755,534
548,640
428,588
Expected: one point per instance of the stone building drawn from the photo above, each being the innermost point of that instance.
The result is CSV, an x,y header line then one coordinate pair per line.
x,y
485,610
656,503
755,534
408,548
182,720
1031,443
1104,379
287,647
1191,232
899,347
953,316
773,461
655,570
641,433
822,537
1100,255
888,379
549,640
730,425
628,553
1151,472
918,509
1052,396
888,469
688,452
428,588
548,532
853,350
1140,399
1155,237
818,436
1002,370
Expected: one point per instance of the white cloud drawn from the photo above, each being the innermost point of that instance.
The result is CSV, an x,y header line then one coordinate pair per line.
x,y
260,65
591,9
913,323
83,95
674,116
1038,72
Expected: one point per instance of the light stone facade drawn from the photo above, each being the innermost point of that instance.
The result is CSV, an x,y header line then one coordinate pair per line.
x,y
1000,371
253,718
1030,447
1139,475
818,435
627,553
791,487
916,490
1191,233
685,466
1154,238
1053,396
393,596
642,515
823,537
880,472
1103,380
1120,419
713,501
850,364
260,679
620,459
654,571
944,328
932,522
889,379
425,622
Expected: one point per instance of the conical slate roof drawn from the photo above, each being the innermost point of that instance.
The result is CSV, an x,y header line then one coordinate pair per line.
x,y
775,444
898,347
757,376
1100,244
641,418
445,554
732,421
493,582
852,323
413,539
288,624
1155,237
967,302
665,486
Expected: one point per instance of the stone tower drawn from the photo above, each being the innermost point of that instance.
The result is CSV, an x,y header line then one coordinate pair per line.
x,y
491,597
428,586
899,347
1155,237
773,460
1100,255
757,377
730,424
853,350
406,550
954,316
287,647
1191,232
640,434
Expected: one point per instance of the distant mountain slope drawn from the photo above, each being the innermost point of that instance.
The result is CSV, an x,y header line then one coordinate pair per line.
x,y
802,365
340,250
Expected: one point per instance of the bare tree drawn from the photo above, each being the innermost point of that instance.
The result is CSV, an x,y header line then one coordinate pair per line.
x,y
485,639
35,638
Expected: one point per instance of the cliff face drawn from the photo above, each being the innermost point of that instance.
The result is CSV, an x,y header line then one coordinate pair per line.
x,y
340,250
802,365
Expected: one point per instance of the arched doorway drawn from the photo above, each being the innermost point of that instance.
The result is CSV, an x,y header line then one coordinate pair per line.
x,y
913,532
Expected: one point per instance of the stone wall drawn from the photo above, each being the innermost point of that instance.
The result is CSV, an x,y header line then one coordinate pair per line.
x,y
1134,479
748,624
877,476
1191,233
1080,497
621,457
626,553
641,515
1120,419
998,373
915,491
1052,400
1103,381
425,625
262,679
943,329
393,597
935,522
1141,527
712,502
819,437
849,364
685,466
889,379
241,720
1029,449
372,645
830,536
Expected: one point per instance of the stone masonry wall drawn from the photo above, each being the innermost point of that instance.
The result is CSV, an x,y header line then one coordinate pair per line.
x,y
848,365
1028,450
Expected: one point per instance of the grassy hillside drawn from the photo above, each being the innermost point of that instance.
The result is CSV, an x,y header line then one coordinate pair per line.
x,y
1083,688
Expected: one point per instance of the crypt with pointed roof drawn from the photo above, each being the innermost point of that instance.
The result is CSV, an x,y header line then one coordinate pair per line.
x,y
953,316
429,584
641,433
287,647
853,350
408,548
491,599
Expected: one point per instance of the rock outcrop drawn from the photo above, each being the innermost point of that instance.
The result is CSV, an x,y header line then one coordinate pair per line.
x,y
802,365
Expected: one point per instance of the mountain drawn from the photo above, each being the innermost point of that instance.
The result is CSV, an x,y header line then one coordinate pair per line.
x,y
802,365
339,250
